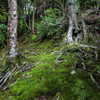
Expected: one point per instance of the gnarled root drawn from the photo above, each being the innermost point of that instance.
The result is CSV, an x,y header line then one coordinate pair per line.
x,y
4,78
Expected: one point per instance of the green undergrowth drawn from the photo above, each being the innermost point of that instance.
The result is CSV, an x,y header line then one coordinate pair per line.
x,y
57,74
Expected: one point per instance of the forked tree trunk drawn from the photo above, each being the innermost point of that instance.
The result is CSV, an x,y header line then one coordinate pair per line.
x,y
12,44
77,29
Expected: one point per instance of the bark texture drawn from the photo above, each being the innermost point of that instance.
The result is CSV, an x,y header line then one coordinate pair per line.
x,y
77,29
12,44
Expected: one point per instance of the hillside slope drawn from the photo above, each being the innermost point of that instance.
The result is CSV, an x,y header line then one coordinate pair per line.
x,y
53,70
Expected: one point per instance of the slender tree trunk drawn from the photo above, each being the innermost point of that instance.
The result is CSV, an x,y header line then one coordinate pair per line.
x,y
12,43
33,17
77,29
26,22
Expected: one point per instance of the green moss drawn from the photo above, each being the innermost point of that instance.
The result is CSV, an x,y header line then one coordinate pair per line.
x,y
46,79
52,79
12,98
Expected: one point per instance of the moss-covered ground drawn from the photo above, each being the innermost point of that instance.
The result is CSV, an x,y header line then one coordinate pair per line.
x,y
55,72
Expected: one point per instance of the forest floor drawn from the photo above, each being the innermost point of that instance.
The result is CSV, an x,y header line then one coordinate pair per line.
x,y
53,70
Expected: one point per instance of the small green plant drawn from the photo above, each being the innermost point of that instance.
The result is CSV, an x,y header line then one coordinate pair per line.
x,y
34,37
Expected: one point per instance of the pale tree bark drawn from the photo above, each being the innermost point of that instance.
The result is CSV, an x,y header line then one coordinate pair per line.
x,y
33,17
77,29
12,44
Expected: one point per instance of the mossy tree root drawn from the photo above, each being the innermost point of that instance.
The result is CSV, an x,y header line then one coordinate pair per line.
x,y
11,66
4,79
77,29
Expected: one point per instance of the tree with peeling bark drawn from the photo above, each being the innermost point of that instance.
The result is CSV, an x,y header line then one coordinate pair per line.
x,y
12,43
77,30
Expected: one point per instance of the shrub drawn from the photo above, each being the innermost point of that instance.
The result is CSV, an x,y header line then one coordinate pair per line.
x,y
3,33
50,26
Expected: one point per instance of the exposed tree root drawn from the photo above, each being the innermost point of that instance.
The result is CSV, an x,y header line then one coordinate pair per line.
x,y
91,76
4,79
83,55
77,30
84,45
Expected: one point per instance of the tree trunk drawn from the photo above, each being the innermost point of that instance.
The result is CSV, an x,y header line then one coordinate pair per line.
x,y
12,44
77,29
33,17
